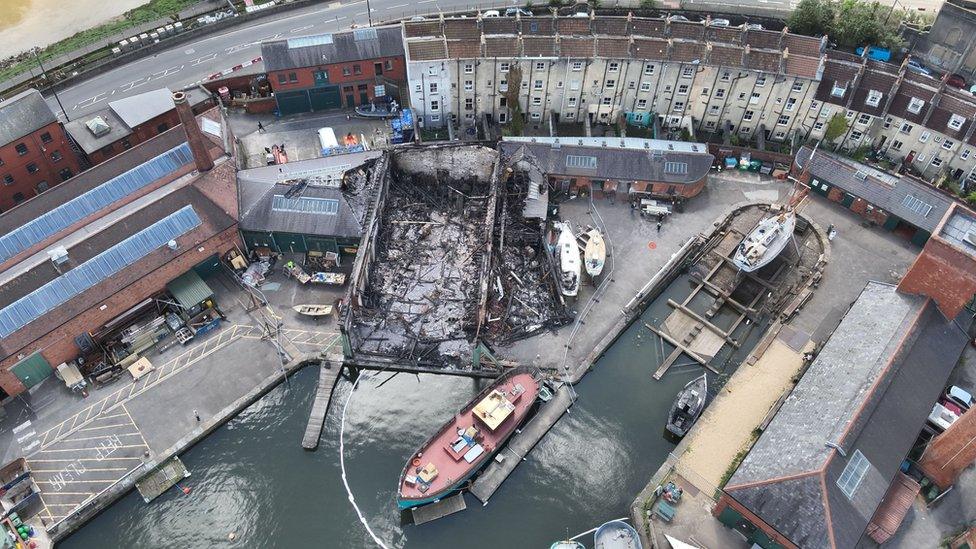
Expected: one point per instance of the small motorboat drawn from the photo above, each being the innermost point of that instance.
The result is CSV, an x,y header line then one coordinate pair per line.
x,y
765,241
569,260
383,110
595,253
688,405
313,310
616,534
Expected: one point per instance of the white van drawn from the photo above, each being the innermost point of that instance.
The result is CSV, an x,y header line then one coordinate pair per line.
x,y
327,139
491,13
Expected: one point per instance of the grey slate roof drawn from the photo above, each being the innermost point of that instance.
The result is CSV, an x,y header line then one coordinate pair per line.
x,y
258,186
884,190
628,162
277,54
22,114
958,228
869,391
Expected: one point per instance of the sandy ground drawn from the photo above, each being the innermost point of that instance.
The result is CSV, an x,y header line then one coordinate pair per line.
x,y
28,23
727,425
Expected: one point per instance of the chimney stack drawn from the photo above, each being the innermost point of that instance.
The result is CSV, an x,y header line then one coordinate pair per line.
x,y
194,136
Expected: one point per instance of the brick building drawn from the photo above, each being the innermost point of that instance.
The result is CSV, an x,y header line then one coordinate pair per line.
x,y
77,257
35,152
330,71
624,168
128,122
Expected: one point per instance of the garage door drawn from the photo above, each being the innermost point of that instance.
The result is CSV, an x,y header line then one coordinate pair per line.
x,y
32,370
325,98
292,102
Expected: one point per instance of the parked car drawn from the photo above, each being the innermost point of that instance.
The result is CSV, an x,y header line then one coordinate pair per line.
x,y
960,396
956,81
675,18
491,13
511,12
754,27
941,417
876,52
418,18
916,66
720,23
581,14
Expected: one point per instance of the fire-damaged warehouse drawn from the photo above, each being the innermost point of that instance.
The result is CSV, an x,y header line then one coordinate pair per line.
x,y
453,260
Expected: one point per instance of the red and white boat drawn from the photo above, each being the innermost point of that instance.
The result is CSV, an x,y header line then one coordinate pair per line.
x,y
468,441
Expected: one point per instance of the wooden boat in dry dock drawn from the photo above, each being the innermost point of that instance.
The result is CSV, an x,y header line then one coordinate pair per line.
x,y
313,310
688,405
595,253
765,242
463,445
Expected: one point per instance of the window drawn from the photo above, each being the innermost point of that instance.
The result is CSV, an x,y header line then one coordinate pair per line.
x,y
817,126
676,168
433,87
745,129
853,474
41,187
538,85
914,204
780,135
783,120
613,66
65,174
906,128
915,105
540,65
577,65
920,158
748,116
431,70
346,71
435,106
754,99
577,161
469,68
536,101
924,138
388,64
292,77
469,104
56,155
897,145
683,89
503,117
679,106
713,109
321,77
32,168
19,197
437,118
572,101
162,127
948,145
956,122
8,179
790,103
839,89
378,69
606,101
687,72
574,85
720,93
874,98
642,103
864,119
21,149
502,102
503,85
814,105
570,114
726,76
560,84
645,86
356,69
503,67
704,91
648,70
887,122
761,81
611,83
856,136
535,116
46,137
468,85
936,161
965,154
742,96
797,86
631,85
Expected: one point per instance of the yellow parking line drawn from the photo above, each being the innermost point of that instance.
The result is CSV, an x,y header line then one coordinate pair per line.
x,y
138,430
86,470
80,459
103,427
103,437
88,449
49,494
65,482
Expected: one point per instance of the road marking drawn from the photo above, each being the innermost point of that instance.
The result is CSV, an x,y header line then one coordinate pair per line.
x,y
426,1
190,51
398,6
79,459
203,59
85,449
167,72
300,29
109,480
86,469
103,427
103,436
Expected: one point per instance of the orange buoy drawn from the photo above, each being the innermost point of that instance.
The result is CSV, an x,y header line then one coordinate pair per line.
x,y
415,462
651,245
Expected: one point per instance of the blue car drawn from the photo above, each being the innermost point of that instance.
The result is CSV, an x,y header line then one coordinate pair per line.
x,y
877,53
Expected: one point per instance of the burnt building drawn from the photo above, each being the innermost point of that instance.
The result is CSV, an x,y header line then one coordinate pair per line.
x,y
329,71
35,152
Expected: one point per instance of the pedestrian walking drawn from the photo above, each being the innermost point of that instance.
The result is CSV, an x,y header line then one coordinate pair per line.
x,y
658,226
260,127
197,415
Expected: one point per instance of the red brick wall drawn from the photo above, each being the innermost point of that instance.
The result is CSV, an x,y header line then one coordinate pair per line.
x,y
945,274
951,452
306,79
58,345
585,183
39,153
140,134
726,501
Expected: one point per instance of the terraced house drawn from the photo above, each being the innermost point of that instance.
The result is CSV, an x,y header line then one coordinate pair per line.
x,y
750,83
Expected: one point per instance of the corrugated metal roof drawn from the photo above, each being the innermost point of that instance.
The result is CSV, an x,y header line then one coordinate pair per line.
x,y
314,51
189,289
895,505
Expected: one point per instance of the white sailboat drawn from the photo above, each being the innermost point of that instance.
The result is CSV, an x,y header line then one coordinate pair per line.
x,y
569,260
595,253
765,241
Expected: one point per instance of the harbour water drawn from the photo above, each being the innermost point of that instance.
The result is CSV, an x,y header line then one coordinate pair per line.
x,y
253,479
28,23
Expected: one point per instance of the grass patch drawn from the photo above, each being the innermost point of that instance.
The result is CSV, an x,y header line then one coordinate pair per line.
x,y
154,10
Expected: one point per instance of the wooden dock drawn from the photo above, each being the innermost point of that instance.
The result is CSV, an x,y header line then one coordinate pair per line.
x,y
162,478
328,376
521,443
440,509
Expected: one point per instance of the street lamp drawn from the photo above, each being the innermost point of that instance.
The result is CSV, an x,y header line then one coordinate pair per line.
x,y
34,50
369,13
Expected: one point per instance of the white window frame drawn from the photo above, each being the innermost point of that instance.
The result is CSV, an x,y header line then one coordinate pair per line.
x,y
948,144
642,103
540,65
469,68
648,70
577,66
761,81
747,117
679,106
838,90
687,71
504,66
683,89
613,66
915,105
924,137
645,86
956,121
874,98
784,120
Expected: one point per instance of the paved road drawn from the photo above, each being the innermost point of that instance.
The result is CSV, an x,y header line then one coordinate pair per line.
x,y
186,64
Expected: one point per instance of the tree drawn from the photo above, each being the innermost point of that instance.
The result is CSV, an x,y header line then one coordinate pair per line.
x,y
971,197
648,4
835,128
512,97
812,17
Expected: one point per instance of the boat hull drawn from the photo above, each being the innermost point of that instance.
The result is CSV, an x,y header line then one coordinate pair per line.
x,y
569,261
772,250
595,253
681,421
616,534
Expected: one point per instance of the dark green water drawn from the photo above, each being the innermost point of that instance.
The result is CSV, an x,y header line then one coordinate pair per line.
x,y
251,477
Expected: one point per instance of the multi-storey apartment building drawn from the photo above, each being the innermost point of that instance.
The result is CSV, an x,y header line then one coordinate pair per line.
x,y
747,83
